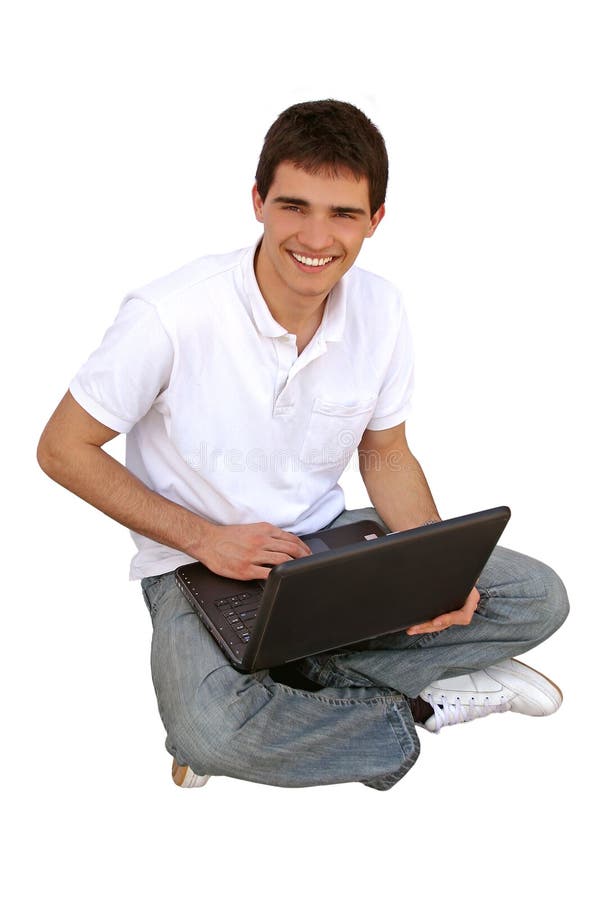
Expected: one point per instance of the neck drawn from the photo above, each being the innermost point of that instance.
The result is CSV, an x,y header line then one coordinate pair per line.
x,y
297,314
304,326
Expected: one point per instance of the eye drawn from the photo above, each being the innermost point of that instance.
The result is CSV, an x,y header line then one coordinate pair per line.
x,y
293,208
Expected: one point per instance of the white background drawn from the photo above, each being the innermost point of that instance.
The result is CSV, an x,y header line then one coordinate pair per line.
x,y
131,135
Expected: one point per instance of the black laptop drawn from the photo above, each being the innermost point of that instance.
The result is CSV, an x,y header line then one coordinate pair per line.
x,y
359,583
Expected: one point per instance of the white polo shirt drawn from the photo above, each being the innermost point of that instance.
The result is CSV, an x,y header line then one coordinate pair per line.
x,y
223,417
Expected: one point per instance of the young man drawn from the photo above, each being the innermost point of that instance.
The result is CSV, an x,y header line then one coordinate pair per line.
x,y
244,382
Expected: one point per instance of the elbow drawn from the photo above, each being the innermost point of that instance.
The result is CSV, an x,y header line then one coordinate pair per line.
x,y
48,457
44,456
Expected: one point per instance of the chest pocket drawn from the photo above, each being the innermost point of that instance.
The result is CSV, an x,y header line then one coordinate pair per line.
x,y
334,431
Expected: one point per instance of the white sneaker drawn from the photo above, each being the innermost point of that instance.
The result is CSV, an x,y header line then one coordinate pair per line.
x,y
509,685
185,777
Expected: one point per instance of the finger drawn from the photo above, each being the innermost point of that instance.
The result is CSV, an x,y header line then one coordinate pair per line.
x,y
421,628
271,558
288,543
259,572
296,539
290,536
439,624
461,616
474,595
472,601
424,629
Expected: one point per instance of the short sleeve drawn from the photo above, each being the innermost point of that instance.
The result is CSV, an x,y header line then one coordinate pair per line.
x,y
122,378
395,396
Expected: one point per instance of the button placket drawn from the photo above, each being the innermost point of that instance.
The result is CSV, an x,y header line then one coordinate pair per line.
x,y
286,357
315,349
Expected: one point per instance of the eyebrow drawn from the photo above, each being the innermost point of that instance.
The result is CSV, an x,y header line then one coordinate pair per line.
x,y
297,201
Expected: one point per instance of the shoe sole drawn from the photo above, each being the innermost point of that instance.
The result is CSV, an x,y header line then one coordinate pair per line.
x,y
538,680
178,773
184,777
545,677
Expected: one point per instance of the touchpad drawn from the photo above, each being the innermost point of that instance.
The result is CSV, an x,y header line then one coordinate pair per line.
x,y
316,544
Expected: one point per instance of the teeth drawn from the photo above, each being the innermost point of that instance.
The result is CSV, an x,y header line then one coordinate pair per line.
x,y
311,261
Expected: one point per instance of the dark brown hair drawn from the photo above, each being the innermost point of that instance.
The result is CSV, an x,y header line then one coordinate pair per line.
x,y
325,135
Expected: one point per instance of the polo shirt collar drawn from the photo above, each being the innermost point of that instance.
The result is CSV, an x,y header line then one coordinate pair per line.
x,y
334,317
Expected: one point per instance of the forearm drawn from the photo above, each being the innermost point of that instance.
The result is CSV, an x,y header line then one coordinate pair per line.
x,y
102,481
398,489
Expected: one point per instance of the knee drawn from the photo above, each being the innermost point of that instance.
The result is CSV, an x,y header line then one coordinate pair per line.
x,y
206,755
204,748
223,730
554,606
192,743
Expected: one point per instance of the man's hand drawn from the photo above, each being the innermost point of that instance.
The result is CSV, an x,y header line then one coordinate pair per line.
x,y
461,616
245,551
71,452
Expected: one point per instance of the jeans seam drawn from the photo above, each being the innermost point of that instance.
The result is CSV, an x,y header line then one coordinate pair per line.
x,y
408,742
150,589
339,679
329,675
399,727
339,701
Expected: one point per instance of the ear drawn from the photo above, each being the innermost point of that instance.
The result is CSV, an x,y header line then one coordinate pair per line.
x,y
258,204
375,220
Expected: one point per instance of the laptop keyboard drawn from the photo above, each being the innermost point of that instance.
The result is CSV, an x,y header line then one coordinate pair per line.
x,y
238,615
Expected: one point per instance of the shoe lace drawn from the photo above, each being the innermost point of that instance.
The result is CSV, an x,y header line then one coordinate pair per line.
x,y
456,712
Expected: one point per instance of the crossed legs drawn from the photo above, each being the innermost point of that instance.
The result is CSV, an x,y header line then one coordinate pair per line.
x,y
358,726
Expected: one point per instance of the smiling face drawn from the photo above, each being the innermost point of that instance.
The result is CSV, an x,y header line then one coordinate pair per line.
x,y
314,227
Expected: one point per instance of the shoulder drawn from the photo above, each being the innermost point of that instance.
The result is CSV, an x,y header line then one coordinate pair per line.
x,y
370,296
207,273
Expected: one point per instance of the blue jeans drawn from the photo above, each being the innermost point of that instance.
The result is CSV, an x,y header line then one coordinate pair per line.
x,y
356,724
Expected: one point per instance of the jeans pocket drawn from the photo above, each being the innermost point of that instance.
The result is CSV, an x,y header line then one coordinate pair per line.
x,y
151,591
484,599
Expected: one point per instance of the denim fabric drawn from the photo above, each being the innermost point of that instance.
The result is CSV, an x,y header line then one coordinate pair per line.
x,y
357,726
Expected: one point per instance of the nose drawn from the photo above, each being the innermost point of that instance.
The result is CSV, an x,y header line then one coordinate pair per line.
x,y
315,234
